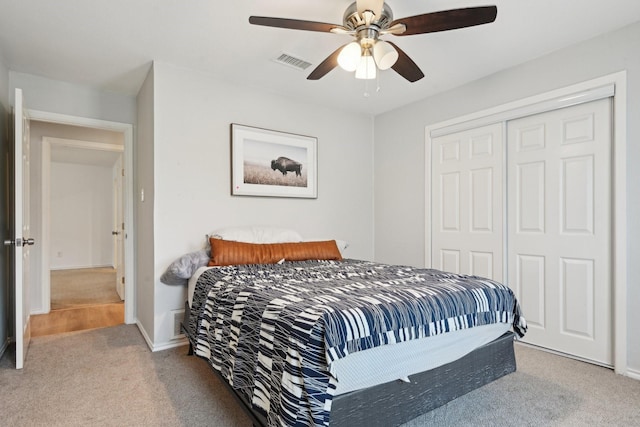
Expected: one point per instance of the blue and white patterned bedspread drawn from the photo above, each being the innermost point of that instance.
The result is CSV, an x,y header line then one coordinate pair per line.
x,y
272,331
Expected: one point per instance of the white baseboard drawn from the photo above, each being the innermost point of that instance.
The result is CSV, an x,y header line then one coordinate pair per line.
x,y
144,335
170,344
161,346
633,374
80,267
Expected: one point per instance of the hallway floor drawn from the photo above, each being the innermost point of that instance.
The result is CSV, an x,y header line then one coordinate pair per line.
x,y
80,299
85,286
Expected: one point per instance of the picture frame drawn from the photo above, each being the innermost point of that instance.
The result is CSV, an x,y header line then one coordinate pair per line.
x,y
271,163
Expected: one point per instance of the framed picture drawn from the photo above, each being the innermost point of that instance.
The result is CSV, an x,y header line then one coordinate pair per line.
x,y
273,164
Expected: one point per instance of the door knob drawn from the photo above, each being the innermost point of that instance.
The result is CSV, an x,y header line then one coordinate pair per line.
x,y
115,233
19,242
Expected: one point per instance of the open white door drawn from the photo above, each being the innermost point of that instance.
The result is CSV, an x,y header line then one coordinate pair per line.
x,y
118,226
21,231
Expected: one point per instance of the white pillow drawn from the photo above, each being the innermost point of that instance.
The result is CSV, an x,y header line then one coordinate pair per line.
x,y
341,244
257,234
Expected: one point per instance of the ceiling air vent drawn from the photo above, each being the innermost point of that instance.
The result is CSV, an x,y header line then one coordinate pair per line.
x,y
292,61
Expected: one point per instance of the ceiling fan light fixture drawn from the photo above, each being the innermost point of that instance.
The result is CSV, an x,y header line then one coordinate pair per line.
x,y
367,67
384,54
349,56
368,17
375,6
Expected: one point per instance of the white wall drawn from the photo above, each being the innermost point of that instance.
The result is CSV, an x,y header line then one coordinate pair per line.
x,y
81,216
54,96
400,139
193,113
143,179
4,84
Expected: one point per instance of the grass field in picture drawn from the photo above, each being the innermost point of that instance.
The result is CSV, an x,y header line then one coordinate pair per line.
x,y
256,173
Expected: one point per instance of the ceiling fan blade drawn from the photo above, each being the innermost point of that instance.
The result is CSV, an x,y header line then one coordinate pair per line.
x,y
325,66
405,66
294,24
447,20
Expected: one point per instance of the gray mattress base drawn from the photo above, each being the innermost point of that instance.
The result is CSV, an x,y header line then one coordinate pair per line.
x,y
397,402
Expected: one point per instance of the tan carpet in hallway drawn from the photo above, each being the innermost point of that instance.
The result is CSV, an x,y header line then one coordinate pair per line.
x,y
72,288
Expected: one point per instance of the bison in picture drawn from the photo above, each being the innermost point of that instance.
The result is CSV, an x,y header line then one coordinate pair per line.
x,y
285,165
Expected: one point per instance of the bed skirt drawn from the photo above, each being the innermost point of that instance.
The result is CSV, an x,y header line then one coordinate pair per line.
x,y
398,402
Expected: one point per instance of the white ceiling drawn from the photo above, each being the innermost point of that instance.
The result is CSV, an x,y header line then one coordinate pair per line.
x,y
109,43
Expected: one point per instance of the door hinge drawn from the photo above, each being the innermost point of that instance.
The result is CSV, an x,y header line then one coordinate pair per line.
x,y
123,226
122,172
122,280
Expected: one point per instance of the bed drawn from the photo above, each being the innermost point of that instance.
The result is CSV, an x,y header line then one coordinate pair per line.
x,y
323,340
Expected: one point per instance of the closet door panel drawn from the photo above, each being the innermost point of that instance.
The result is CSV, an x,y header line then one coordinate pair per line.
x,y
449,202
577,189
528,284
530,194
481,206
467,202
559,228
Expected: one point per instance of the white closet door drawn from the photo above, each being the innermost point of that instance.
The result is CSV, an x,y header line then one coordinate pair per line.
x,y
467,206
559,228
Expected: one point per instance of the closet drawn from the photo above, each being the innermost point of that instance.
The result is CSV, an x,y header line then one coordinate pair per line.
x,y
528,201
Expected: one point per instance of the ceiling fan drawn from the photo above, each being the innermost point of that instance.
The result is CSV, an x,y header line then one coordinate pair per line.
x,y
366,21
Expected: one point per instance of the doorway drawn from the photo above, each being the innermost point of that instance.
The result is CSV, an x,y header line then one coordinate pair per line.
x,y
85,129
77,260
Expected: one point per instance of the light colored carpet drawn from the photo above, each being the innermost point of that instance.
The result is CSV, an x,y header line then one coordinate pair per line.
x,y
72,288
108,377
